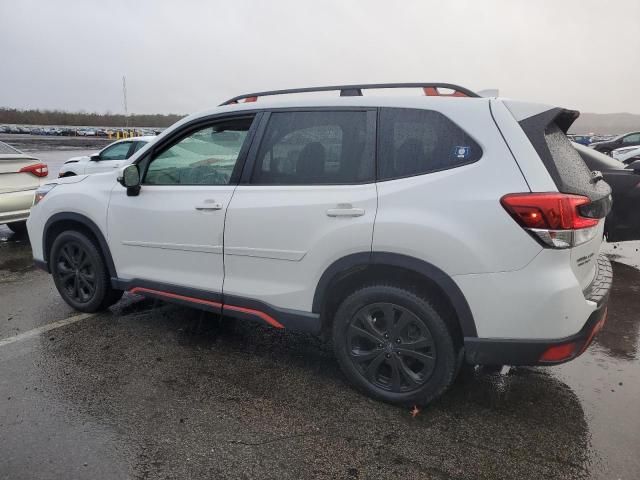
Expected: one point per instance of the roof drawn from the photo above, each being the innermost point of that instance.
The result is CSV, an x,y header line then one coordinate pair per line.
x,y
144,138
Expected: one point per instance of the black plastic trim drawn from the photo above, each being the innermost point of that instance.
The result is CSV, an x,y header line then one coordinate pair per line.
x,y
76,217
433,273
516,352
288,318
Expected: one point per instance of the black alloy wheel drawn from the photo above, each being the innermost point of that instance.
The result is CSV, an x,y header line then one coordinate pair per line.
x,y
80,273
394,345
391,347
76,271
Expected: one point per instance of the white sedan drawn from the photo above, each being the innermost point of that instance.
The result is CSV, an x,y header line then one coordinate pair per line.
x,y
110,157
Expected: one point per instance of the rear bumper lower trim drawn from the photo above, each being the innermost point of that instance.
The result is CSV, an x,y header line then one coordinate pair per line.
x,y
487,351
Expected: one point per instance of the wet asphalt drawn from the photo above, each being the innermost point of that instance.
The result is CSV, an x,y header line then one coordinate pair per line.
x,y
152,390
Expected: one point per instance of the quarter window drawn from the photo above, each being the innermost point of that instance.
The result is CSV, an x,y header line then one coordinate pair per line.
x,y
315,148
415,142
206,157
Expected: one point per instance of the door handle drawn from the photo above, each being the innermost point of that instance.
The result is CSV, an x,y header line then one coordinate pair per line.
x,y
345,210
209,205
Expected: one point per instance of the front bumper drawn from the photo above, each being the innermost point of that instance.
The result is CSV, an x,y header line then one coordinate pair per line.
x,y
489,351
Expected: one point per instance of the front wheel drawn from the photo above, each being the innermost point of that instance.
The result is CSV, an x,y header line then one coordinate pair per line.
x,y
80,274
394,346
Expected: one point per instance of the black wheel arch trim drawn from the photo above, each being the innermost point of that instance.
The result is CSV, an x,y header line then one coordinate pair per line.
x,y
90,225
363,259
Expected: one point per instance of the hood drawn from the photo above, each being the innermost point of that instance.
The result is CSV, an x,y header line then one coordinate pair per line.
x,y
83,159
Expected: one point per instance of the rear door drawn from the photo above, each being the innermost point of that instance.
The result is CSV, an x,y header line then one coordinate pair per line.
x,y
307,198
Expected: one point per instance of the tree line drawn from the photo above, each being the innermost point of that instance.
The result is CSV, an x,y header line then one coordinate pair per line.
x,y
62,118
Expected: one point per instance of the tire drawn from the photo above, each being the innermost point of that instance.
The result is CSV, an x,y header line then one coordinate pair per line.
x,y
19,228
410,359
80,274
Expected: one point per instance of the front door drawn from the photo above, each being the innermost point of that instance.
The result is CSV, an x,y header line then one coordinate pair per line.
x,y
172,232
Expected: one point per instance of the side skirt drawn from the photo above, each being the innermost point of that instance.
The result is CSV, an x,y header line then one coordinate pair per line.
x,y
228,305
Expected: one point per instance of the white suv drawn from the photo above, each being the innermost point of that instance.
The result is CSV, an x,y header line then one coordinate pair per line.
x,y
418,231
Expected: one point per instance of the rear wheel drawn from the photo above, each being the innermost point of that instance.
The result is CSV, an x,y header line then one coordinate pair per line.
x,y
19,228
80,273
394,345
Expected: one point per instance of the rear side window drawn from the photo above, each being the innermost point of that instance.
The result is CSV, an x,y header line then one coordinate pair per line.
x,y
414,142
316,148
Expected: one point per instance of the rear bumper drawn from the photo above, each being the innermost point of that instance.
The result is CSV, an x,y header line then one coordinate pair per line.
x,y
489,351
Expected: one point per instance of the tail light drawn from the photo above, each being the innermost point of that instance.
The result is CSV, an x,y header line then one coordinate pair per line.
x,y
556,220
38,169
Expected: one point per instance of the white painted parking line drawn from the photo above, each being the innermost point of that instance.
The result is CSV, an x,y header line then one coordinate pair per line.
x,y
45,328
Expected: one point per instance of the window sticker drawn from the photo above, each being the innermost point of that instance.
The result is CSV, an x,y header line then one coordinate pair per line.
x,y
461,152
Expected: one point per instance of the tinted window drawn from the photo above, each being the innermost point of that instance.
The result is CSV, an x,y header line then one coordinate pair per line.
x,y
138,146
414,142
116,152
205,157
314,148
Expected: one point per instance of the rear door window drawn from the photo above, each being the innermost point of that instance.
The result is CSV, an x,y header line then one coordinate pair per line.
x,y
316,148
415,142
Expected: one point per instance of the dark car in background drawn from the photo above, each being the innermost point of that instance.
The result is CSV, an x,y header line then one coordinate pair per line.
x,y
581,139
623,223
625,140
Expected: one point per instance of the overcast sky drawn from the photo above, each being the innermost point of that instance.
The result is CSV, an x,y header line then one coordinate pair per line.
x,y
182,56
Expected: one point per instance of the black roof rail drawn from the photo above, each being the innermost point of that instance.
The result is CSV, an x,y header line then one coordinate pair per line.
x,y
430,89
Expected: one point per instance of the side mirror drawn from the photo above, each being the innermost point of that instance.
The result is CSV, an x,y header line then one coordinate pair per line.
x,y
95,157
130,179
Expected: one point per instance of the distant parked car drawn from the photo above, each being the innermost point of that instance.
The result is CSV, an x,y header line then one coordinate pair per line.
x,y
626,140
110,157
623,223
20,176
626,155
581,139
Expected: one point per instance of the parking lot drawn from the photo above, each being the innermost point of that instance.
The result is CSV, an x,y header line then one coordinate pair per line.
x,y
151,390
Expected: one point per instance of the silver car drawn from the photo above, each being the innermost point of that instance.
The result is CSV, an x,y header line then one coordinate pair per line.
x,y
20,176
